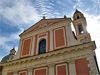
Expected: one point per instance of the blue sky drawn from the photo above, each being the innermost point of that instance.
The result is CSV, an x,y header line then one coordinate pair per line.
x,y
17,15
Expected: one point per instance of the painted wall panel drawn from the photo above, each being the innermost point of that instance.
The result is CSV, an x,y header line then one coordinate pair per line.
x,y
61,69
23,72
48,41
82,67
11,73
26,47
59,38
41,71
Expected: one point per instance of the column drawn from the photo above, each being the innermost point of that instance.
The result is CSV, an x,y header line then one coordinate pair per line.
x,y
30,70
51,69
72,69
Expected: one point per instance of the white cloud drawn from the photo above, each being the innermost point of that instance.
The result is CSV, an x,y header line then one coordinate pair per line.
x,y
93,27
18,12
78,3
87,9
45,7
96,6
11,37
8,46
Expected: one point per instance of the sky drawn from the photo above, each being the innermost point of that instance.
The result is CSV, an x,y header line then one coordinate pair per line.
x,y
18,15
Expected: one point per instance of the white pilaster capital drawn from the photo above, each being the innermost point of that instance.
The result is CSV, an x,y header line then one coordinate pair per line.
x,y
15,71
72,69
51,65
71,61
51,69
30,69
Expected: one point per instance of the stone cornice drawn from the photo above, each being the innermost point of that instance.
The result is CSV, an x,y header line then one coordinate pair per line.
x,y
49,54
68,20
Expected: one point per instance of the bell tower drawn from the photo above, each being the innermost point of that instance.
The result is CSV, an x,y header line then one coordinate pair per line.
x,y
80,24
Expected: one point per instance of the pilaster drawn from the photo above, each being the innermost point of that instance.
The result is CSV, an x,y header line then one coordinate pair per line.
x,y
51,40
15,72
30,70
72,69
51,69
33,44
4,74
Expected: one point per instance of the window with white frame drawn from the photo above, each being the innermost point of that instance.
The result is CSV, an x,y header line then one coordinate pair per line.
x,y
42,46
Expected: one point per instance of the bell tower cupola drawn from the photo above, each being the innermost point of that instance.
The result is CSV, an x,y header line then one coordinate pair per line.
x,y
80,24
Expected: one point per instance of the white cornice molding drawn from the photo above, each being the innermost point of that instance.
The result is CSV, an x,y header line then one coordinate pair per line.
x,y
52,53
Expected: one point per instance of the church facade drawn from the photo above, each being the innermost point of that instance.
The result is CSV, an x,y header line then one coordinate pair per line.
x,y
50,47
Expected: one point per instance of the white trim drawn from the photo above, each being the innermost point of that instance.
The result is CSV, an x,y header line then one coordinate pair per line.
x,y
62,65
72,67
33,45
22,72
38,40
23,46
18,55
41,69
55,38
47,42
51,40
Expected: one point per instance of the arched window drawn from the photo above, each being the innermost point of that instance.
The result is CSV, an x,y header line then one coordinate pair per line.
x,y
78,17
80,29
42,46
0,69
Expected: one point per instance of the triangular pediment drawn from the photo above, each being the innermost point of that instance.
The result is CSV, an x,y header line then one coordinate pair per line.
x,y
43,23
